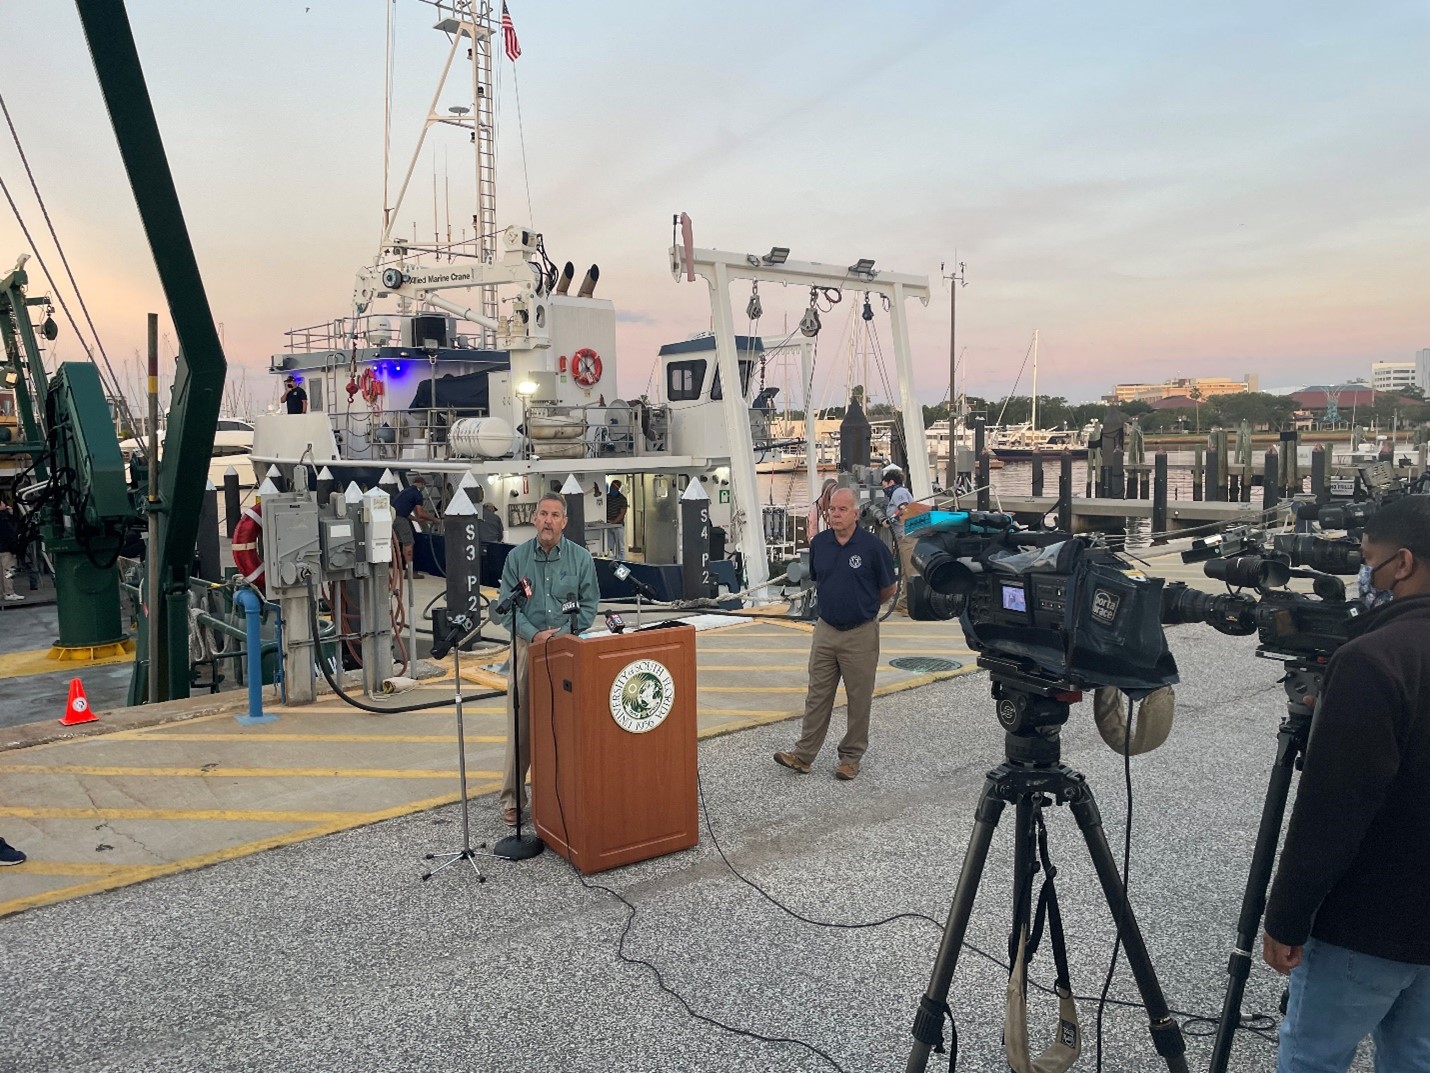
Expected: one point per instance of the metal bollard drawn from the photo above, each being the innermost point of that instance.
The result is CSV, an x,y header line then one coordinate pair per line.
x,y
252,606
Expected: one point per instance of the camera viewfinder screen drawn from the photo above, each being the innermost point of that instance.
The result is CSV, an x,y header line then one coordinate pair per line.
x,y
1015,599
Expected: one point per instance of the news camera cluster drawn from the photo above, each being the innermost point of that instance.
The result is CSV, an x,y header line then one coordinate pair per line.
x,y
1053,613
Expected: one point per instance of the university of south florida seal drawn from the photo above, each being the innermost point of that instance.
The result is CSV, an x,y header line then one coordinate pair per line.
x,y
642,696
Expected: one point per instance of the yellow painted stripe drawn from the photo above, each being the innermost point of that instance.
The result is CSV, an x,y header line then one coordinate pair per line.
x,y
326,824
884,650
757,689
218,815
769,713
221,772
360,739
34,661
781,668
74,868
331,709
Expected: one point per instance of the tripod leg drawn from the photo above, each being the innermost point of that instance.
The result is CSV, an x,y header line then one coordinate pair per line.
x,y
1166,1034
928,1023
1290,743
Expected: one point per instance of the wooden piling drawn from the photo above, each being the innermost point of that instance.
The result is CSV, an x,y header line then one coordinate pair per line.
x,y
1270,481
1065,494
1159,494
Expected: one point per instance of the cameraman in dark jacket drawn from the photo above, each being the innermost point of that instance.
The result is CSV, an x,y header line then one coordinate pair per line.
x,y
1350,906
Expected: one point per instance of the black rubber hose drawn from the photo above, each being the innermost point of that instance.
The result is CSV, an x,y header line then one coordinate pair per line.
x,y
375,709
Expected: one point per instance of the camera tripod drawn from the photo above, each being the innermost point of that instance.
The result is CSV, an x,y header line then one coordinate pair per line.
x,y
1303,680
1033,709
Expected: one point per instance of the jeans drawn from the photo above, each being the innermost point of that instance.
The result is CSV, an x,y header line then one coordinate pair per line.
x,y
616,540
1340,996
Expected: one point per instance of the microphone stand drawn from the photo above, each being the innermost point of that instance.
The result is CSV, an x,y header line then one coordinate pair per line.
x,y
462,629
517,846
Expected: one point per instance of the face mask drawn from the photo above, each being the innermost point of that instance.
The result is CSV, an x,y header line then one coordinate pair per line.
x,y
1365,584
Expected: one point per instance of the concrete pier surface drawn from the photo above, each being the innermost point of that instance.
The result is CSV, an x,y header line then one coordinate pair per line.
x,y
151,791
331,954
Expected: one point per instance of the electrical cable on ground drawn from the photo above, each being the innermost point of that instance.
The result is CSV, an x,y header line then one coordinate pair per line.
x,y
360,705
1260,1025
630,908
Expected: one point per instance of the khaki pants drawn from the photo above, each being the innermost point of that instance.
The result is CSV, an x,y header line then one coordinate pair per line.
x,y
513,787
852,655
906,565
7,560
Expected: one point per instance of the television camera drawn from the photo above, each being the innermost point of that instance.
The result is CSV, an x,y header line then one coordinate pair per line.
x,y
1051,615
1289,625
1374,485
1301,630
1067,606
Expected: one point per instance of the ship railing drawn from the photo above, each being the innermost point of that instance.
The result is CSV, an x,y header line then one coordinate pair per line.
x,y
418,432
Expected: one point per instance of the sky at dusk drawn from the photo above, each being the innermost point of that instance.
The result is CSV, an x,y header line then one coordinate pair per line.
x,y
1160,190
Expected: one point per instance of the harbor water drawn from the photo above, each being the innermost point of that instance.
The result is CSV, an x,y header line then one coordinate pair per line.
x,y
1015,478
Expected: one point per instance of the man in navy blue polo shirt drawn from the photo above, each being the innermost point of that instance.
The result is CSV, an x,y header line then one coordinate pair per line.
x,y
408,504
854,573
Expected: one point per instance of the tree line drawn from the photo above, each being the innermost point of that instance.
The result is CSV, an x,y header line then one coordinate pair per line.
x,y
1265,412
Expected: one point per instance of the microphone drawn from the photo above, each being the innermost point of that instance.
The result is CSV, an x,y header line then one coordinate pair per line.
x,y
571,606
641,588
460,626
615,623
520,593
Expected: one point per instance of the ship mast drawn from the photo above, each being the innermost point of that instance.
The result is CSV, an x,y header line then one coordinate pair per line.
x,y
468,23
1035,380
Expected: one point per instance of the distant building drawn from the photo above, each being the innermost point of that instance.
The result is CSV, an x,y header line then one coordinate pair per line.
x,y
1422,370
1174,402
1206,385
1393,375
1346,397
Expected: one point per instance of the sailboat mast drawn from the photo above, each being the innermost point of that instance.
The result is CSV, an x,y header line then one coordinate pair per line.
x,y
1035,379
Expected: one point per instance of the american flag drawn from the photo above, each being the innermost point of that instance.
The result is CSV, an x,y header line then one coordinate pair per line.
x,y
508,35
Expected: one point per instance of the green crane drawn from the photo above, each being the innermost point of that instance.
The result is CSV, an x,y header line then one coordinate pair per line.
x,y
78,491
86,506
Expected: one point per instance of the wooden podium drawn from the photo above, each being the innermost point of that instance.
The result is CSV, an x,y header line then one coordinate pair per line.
x,y
613,730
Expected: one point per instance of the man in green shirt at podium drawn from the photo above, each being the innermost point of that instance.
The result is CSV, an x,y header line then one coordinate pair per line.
x,y
560,573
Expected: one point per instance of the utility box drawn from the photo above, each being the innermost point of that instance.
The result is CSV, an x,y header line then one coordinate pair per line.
x,y
341,553
290,540
377,525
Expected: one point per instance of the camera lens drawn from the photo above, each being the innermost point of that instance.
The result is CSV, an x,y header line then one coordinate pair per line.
x,y
1225,612
926,605
1248,571
1328,556
943,573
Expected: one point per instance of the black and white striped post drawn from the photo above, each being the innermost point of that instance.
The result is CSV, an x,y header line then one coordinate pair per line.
x,y
695,541
575,511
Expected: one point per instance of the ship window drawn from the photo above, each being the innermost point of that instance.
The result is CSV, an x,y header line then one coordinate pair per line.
x,y
684,379
746,368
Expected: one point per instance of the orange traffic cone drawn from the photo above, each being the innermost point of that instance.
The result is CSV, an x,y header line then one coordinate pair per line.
x,y
78,709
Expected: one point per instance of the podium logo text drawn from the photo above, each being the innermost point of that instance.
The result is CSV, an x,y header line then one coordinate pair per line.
x,y
642,696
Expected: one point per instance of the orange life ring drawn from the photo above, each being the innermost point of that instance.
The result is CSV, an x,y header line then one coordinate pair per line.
x,y
586,367
370,386
248,545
